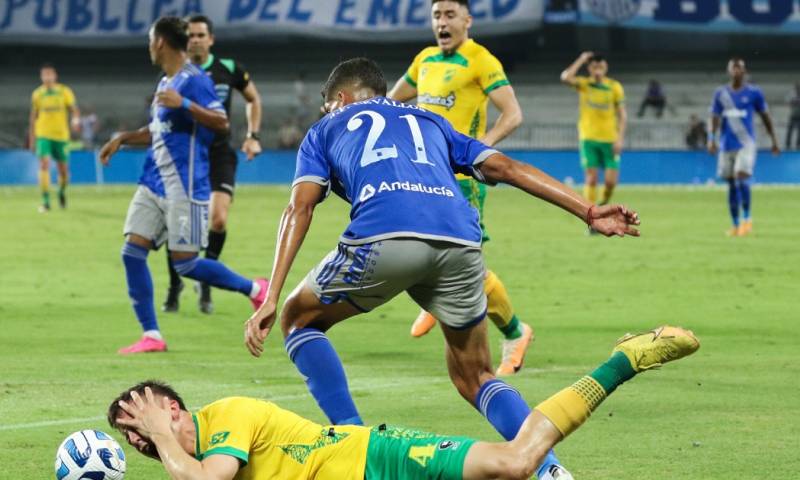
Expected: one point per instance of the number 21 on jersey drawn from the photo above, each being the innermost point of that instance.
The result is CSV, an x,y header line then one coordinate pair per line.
x,y
371,154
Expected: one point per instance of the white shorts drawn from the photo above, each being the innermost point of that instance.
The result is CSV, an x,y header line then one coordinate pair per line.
x,y
183,224
443,278
734,162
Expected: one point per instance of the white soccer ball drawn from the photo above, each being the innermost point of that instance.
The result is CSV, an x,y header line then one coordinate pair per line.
x,y
90,455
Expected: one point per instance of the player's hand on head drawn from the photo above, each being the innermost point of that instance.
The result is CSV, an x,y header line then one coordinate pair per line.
x,y
258,326
148,415
614,220
169,98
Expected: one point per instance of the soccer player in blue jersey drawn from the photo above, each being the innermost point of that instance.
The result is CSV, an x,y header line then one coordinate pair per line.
x,y
411,230
171,203
732,109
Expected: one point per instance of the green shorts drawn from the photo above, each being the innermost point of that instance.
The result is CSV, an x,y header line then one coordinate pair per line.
x,y
57,150
396,453
475,193
598,155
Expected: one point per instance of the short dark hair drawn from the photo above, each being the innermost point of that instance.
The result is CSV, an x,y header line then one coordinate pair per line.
x,y
158,388
460,2
47,65
174,31
597,57
202,19
362,71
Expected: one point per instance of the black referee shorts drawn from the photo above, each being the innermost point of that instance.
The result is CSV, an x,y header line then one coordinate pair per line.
x,y
223,169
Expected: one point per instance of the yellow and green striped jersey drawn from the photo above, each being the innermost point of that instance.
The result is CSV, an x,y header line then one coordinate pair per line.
x,y
457,86
52,108
598,102
270,442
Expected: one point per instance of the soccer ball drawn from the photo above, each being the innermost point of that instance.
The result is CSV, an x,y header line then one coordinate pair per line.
x,y
90,455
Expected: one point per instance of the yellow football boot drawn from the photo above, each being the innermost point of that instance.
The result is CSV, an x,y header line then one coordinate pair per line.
x,y
657,347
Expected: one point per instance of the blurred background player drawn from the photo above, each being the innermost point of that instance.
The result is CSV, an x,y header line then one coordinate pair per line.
x,y
246,438
732,109
602,123
227,75
49,131
171,203
456,79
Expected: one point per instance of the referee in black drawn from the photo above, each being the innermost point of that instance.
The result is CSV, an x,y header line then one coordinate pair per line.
x,y
227,75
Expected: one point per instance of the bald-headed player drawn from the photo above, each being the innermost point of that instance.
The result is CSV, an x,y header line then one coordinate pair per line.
x,y
456,79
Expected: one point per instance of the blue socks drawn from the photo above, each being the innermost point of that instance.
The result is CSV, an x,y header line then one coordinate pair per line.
x,y
315,358
506,410
140,285
733,201
213,273
744,196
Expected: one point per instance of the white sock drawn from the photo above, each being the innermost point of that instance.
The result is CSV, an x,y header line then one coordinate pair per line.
x,y
154,334
255,290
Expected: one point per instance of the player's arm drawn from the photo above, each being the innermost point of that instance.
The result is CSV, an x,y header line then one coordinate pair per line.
x,y
75,117
569,75
608,219
215,119
402,91
767,119
504,99
252,145
152,417
716,122
32,127
139,137
292,230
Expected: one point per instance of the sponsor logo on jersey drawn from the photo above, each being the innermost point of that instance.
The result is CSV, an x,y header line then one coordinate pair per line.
x,y
448,74
734,113
159,127
446,102
449,444
368,191
222,91
218,438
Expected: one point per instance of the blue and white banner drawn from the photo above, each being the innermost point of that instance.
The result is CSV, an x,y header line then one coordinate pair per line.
x,y
116,22
725,16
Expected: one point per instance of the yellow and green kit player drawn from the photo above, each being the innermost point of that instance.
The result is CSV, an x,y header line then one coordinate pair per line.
x,y
240,438
49,131
456,79
602,122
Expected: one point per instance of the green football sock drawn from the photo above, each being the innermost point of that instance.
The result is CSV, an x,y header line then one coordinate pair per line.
x,y
513,330
616,371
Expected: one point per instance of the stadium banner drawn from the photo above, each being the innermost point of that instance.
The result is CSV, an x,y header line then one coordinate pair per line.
x,y
125,22
707,16
19,167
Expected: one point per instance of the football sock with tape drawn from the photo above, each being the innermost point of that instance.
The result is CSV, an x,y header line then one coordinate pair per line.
x,y
216,240
315,358
44,186
140,285
569,408
744,196
214,273
499,309
733,201
506,410
174,276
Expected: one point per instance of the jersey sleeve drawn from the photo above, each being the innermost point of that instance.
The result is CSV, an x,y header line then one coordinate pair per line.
x,y
201,91
466,153
230,431
241,77
619,94
716,105
311,163
490,74
412,74
759,102
69,97
581,83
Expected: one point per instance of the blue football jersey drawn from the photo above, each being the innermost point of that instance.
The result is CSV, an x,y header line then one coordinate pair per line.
x,y
177,160
737,108
394,164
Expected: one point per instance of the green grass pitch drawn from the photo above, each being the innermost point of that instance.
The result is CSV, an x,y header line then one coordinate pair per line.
x,y
730,411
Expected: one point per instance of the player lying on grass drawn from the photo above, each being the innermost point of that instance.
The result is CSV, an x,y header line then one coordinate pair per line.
x,y
411,230
246,438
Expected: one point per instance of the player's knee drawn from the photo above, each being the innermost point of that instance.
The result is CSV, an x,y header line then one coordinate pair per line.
x,y
219,220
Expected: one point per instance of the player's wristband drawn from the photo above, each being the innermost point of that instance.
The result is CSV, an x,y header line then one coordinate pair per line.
x,y
186,103
589,216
